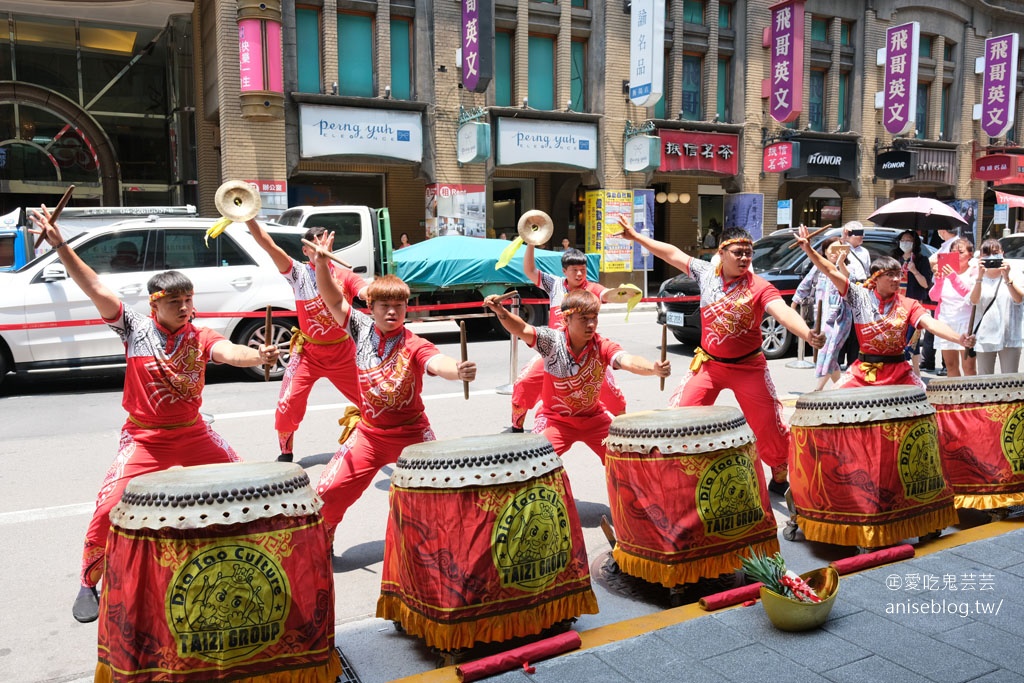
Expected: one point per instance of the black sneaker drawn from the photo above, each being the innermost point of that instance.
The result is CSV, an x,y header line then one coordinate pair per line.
x,y
284,457
515,430
87,605
927,368
779,488
941,372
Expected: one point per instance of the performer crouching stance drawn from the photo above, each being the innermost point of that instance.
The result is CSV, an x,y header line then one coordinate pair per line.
x,y
575,361
390,361
163,387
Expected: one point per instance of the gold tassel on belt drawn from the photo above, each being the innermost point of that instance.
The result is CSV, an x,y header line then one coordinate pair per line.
x,y
348,422
300,339
870,370
699,356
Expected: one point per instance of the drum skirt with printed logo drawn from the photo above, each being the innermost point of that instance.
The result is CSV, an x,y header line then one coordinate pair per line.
x,y
865,467
981,438
687,494
216,573
483,542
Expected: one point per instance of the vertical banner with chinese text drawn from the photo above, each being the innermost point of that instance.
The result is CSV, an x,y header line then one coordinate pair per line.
x,y
787,60
899,103
477,44
999,88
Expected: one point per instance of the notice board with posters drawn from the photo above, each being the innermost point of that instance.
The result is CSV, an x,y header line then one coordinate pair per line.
x,y
602,211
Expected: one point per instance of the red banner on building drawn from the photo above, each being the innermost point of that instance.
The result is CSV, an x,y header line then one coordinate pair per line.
x,y
684,150
1007,168
1011,200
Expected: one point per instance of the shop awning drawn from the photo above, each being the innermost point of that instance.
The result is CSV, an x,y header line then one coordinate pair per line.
x,y
1013,200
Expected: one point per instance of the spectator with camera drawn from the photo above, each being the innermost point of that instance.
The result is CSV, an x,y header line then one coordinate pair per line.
x,y
998,300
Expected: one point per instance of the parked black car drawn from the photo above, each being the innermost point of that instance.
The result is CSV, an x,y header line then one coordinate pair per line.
x,y
779,265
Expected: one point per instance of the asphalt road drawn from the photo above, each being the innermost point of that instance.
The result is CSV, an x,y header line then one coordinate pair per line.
x,y
60,435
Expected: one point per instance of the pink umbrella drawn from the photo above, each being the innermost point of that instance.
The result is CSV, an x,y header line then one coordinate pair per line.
x,y
913,213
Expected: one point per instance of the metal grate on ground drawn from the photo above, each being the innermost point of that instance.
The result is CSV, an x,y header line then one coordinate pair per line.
x,y
348,674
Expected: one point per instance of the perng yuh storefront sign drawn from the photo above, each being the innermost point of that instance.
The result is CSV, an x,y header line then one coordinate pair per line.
x,y
350,131
531,141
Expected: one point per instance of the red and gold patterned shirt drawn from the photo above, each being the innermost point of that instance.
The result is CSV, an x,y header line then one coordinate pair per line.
x,y
572,383
314,317
731,312
166,373
882,325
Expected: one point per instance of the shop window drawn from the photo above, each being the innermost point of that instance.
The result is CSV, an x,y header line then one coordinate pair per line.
x,y
693,11
355,55
401,59
5,53
921,120
845,30
307,35
579,76
142,147
725,15
579,3
924,47
503,69
541,84
844,102
816,105
692,71
819,29
724,87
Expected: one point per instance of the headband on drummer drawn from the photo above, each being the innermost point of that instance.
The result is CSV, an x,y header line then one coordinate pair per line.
x,y
580,301
168,283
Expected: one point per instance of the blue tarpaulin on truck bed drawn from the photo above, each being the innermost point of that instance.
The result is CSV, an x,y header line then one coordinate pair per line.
x,y
455,261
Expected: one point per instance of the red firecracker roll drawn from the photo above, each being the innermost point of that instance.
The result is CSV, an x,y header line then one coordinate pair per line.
x,y
513,659
848,565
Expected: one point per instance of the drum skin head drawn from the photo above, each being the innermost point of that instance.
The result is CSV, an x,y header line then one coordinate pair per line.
x,y
232,493
487,460
977,389
688,429
860,404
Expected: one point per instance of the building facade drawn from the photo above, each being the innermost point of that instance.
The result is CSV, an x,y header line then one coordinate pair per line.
x,y
139,103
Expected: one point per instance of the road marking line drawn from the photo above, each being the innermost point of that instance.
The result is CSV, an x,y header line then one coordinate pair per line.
x,y
39,514
340,406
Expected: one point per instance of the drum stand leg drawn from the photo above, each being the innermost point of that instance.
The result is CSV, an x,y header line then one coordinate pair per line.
x,y
789,531
448,657
609,533
931,536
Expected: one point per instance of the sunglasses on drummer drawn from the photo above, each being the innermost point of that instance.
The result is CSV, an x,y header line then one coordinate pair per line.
x,y
741,253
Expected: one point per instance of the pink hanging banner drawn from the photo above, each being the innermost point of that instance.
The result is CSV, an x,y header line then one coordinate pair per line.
x,y
1012,200
250,54
275,77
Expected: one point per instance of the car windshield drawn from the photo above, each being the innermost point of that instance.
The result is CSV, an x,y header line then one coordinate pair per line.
x,y
773,253
1013,247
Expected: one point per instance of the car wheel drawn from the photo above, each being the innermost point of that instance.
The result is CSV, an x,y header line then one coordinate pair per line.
x,y
251,334
681,336
776,338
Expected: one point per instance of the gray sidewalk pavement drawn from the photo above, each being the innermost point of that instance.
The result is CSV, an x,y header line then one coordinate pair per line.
x,y
953,615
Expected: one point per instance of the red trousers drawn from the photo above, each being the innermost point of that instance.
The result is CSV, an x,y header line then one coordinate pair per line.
x,y
336,362
563,431
354,466
755,392
527,389
142,451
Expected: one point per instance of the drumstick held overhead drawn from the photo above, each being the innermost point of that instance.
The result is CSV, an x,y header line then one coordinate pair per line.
x,y
331,256
664,344
462,345
55,214
268,330
813,234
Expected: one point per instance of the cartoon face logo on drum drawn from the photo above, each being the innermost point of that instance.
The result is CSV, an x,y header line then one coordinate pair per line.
x,y
920,469
530,541
1012,438
728,498
228,602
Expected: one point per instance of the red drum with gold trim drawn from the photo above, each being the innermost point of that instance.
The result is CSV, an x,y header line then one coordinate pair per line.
x,y
865,467
687,493
215,573
483,542
981,438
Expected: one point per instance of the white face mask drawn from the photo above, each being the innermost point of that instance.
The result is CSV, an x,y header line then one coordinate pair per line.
x,y
907,247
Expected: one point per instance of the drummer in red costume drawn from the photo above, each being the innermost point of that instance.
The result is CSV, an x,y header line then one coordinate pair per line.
x,y
527,388
390,362
320,347
163,385
881,317
733,300
576,360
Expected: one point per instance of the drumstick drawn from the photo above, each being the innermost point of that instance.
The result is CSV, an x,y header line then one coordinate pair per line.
x,y
664,344
329,254
971,353
268,330
462,345
813,234
55,214
817,329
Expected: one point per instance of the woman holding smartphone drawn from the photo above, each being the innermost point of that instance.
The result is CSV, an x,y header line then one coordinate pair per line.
x,y
998,320
952,291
